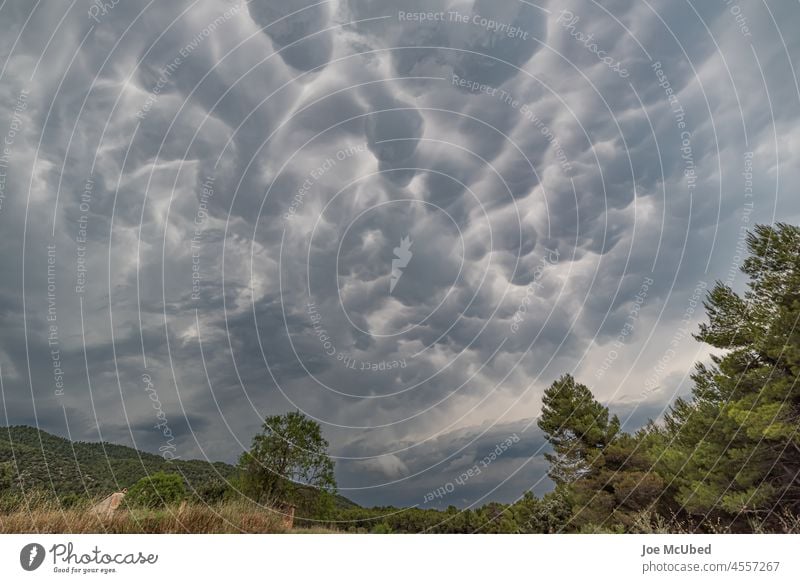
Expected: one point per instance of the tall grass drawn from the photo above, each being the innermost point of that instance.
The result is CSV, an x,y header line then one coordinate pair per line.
x,y
226,517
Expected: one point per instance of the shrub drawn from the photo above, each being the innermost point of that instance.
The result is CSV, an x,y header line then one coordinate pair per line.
x,y
157,490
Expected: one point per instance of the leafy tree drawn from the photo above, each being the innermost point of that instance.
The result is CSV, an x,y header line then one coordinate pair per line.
x,y
290,451
577,427
157,490
213,491
732,451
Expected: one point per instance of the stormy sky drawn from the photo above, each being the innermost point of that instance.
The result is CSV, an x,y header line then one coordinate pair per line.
x,y
403,218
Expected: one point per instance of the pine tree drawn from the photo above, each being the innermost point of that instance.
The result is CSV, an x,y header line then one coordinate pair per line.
x,y
577,427
732,451
621,486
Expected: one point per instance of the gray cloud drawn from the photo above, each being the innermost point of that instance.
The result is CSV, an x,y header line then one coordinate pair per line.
x,y
198,173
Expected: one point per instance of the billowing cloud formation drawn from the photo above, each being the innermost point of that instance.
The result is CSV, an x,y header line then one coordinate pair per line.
x,y
404,219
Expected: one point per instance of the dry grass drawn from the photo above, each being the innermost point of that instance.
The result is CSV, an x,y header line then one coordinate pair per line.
x,y
230,517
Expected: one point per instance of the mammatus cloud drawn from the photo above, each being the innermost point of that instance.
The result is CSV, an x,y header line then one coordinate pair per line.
x,y
203,207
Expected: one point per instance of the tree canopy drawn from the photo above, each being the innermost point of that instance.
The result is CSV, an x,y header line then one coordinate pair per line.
x,y
729,454
577,426
289,451
157,490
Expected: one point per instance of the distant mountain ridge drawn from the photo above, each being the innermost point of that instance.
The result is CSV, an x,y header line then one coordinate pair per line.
x,y
49,462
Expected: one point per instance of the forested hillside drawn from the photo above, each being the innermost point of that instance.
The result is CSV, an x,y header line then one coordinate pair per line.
x,y
36,460
44,461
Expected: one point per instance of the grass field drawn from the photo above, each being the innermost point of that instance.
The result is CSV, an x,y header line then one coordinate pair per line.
x,y
231,517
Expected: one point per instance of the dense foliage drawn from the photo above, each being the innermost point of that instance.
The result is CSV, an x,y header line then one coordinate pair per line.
x,y
40,460
36,461
158,490
726,458
288,452
731,453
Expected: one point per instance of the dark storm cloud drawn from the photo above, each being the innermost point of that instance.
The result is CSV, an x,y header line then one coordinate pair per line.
x,y
221,192
297,31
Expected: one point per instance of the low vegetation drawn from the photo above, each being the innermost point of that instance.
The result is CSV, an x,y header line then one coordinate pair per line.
x,y
42,515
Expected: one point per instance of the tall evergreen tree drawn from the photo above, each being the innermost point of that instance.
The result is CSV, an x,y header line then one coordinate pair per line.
x,y
732,451
603,474
577,427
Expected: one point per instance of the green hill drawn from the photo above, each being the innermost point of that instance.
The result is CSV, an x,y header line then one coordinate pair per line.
x,y
40,460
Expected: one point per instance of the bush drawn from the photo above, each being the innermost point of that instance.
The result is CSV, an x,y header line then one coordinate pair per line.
x,y
212,492
157,491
